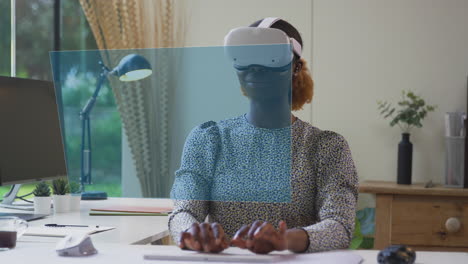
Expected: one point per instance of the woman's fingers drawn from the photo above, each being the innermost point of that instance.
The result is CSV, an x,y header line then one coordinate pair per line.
x,y
196,241
238,239
253,229
282,227
218,232
267,238
204,237
207,237
220,237
183,236
264,230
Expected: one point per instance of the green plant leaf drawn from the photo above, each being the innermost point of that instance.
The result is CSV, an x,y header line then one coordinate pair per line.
x,y
42,190
357,235
367,243
390,113
356,242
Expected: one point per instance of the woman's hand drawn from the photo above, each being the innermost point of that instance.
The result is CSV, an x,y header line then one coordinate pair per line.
x,y
261,237
206,237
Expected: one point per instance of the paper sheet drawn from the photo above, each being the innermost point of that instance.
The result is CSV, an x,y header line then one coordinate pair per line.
x,y
64,231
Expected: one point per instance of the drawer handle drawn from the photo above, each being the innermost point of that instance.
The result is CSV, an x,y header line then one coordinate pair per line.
x,y
452,225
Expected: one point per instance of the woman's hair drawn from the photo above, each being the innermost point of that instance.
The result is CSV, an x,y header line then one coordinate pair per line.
x,y
302,86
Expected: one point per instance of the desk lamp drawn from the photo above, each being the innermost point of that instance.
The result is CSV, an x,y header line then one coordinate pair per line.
x,y
132,67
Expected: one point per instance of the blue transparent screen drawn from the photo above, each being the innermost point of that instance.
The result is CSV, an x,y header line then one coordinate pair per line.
x,y
185,131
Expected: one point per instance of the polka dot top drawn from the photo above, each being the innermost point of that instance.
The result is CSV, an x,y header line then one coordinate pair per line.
x,y
314,187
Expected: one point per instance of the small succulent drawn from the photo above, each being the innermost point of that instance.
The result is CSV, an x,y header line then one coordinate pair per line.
x,y
42,190
74,187
60,186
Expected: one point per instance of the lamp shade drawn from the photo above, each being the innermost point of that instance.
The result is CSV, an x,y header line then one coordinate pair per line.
x,y
133,67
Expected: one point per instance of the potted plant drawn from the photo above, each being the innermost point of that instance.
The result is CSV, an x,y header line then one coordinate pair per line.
x,y
42,199
75,198
61,195
411,112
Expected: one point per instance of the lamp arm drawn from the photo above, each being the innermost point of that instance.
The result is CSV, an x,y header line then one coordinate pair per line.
x,y
91,101
86,130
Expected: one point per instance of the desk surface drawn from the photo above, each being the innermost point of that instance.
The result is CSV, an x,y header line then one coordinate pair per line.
x,y
114,246
118,253
129,229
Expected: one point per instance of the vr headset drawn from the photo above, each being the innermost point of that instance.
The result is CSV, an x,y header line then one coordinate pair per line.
x,y
262,46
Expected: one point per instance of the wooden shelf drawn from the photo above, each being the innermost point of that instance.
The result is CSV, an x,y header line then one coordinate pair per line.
x,y
383,187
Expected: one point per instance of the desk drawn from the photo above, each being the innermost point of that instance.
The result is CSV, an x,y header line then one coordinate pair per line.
x,y
417,216
125,243
118,253
129,229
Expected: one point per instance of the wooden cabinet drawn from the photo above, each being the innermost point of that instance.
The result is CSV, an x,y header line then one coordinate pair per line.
x,y
433,218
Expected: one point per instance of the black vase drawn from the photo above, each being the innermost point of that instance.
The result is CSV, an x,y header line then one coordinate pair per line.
x,y
405,159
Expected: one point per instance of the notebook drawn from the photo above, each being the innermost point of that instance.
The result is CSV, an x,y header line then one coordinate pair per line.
x,y
125,213
133,209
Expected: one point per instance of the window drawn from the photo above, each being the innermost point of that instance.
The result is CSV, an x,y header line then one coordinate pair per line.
x,y
36,35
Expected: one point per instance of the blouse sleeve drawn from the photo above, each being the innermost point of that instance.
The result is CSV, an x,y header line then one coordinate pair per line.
x,y
191,188
337,192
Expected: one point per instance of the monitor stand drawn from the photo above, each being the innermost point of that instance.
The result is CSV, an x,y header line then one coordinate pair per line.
x,y
9,198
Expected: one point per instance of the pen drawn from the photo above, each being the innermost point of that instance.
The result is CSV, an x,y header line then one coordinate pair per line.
x,y
56,225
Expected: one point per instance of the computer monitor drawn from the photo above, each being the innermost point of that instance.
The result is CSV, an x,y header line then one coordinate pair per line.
x,y
31,144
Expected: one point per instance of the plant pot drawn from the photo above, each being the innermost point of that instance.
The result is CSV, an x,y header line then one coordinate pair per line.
x,y
42,205
61,203
75,202
405,160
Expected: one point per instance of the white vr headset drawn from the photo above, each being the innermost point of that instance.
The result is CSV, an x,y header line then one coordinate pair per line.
x,y
261,46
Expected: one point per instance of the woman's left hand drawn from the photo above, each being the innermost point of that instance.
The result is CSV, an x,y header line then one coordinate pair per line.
x,y
261,237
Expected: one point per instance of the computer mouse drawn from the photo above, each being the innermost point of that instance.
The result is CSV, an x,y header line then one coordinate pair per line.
x,y
79,244
396,254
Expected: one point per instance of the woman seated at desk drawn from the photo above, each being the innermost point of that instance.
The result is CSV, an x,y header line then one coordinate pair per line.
x,y
321,176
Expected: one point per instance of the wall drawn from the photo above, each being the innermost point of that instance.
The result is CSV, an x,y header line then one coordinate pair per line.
x,y
210,20
366,50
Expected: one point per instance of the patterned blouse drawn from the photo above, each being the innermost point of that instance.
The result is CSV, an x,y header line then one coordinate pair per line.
x,y
322,188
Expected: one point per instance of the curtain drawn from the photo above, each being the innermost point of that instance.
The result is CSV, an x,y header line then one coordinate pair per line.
x,y
143,105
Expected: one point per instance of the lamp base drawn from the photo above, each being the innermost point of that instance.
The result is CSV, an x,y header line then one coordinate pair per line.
x,y
94,195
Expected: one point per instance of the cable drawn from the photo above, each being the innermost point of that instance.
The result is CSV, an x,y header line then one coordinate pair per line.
x,y
21,198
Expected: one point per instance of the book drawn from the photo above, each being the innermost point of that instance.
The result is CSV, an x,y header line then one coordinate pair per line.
x,y
133,209
113,213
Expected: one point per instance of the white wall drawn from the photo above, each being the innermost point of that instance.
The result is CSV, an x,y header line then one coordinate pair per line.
x,y
365,50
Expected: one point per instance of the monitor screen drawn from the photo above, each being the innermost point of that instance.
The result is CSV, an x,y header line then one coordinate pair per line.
x,y
31,146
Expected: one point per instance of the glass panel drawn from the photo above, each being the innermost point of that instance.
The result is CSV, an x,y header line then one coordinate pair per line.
x,y
230,160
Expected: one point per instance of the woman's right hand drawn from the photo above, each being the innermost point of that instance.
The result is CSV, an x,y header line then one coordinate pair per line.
x,y
206,237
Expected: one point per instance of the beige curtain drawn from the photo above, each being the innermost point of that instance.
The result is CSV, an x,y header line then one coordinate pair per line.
x,y
143,105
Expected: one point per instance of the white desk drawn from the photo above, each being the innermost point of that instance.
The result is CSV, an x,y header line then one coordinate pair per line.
x,y
117,253
129,229
115,246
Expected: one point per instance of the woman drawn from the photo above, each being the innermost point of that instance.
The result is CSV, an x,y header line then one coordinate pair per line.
x,y
323,178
